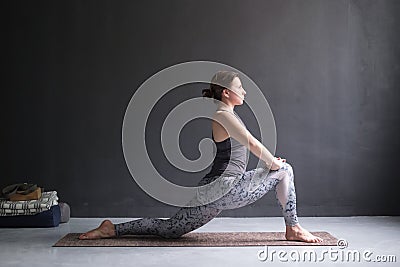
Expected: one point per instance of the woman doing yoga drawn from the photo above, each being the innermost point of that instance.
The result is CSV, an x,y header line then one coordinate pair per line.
x,y
233,141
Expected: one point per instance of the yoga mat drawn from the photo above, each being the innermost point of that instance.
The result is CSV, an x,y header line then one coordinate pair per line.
x,y
196,239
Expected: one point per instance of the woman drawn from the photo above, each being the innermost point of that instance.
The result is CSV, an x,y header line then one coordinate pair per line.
x,y
232,140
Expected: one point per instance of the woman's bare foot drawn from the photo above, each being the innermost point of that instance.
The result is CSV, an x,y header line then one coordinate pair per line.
x,y
298,233
106,229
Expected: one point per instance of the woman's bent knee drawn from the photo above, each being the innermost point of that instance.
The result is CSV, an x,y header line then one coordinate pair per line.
x,y
288,168
171,236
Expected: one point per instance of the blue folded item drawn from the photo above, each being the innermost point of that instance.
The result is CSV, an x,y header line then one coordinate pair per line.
x,y
48,218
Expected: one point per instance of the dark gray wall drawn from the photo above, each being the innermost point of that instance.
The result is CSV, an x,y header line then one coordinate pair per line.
x,y
329,69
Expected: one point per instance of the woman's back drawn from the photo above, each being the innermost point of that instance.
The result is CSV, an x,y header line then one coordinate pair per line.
x,y
231,156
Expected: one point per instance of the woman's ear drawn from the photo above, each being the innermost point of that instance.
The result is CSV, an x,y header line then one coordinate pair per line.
x,y
225,92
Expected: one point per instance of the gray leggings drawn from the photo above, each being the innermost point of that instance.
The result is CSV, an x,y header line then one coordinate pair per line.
x,y
188,219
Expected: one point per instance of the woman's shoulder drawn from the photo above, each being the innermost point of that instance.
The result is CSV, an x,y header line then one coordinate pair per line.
x,y
224,114
227,116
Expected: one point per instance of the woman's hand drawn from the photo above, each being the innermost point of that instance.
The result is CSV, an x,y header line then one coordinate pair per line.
x,y
277,163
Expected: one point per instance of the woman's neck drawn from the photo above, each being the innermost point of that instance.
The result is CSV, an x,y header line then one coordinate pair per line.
x,y
224,106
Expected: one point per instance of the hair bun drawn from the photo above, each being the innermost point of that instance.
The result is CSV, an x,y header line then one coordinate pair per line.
x,y
207,92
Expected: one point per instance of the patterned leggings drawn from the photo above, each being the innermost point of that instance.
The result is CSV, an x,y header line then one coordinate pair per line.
x,y
188,219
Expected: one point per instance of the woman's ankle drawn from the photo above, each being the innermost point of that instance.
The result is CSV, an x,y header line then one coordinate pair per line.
x,y
293,228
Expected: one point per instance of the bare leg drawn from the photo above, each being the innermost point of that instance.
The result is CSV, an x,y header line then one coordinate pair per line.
x,y
106,229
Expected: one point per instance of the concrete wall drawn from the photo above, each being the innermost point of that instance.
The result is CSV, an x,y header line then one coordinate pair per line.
x,y
329,69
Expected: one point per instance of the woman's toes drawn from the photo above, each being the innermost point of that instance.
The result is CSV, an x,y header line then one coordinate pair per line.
x,y
93,234
105,230
318,239
82,236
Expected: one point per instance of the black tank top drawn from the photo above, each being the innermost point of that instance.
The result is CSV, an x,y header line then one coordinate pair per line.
x,y
231,157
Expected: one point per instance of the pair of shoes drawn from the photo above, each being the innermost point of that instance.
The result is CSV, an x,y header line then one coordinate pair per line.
x,y
21,191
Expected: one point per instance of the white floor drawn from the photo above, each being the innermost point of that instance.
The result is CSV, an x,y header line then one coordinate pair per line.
x,y
369,237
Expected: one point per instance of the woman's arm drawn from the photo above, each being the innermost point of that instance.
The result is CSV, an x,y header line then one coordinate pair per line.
x,y
237,131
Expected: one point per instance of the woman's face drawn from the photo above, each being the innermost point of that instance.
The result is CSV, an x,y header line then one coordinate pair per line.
x,y
237,92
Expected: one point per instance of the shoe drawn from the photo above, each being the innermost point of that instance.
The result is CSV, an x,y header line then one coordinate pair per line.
x,y
21,189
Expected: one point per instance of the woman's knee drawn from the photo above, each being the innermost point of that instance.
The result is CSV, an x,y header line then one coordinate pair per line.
x,y
171,235
173,231
288,168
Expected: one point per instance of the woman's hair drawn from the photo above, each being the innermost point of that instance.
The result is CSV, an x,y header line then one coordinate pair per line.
x,y
220,81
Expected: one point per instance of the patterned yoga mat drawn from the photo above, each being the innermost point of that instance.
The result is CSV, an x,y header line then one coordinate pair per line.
x,y
197,239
